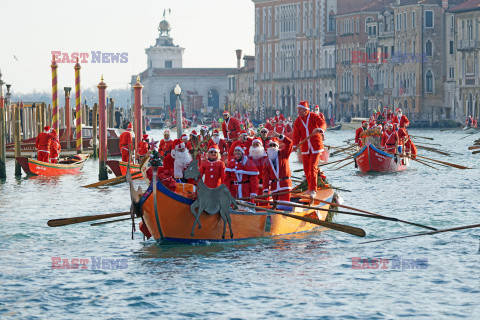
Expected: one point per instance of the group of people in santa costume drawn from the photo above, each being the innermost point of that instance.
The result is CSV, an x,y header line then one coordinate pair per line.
x,y
279,124
393,132
48,145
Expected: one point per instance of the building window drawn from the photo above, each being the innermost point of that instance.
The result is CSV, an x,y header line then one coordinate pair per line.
x,y
428,19
428,48
451,73
404,20
429,81
331,23
413,19
451,46
168,64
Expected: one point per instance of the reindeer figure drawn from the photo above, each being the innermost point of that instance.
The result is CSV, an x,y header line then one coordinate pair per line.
x,y
211,201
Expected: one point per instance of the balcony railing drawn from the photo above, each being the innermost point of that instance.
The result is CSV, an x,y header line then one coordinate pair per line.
x,y
345,96
326,72
465,45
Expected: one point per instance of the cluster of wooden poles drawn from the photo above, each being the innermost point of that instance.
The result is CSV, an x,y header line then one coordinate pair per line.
x,y
476,147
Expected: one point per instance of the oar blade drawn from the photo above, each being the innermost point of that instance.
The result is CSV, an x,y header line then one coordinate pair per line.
x,y
74,220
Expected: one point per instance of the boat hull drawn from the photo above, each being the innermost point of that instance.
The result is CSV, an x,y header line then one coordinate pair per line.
x,y
119,168
175,220
39,168
371,159
469,130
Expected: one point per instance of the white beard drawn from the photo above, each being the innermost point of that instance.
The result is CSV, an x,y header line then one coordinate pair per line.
x,y
272,153
257,153
216,139
182,160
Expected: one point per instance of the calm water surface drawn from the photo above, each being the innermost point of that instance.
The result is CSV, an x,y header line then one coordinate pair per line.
x,y
299,277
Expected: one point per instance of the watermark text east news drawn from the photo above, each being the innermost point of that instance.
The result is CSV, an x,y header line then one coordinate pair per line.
x,y
397,263
96,263
95,57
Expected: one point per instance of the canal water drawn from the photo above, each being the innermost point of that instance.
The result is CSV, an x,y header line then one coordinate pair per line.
x,y
319,275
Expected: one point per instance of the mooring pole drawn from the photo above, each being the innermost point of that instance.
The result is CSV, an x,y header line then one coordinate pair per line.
x,y
138,115
102,175
68,120
18,152
55,122
3,170
78,109
95,130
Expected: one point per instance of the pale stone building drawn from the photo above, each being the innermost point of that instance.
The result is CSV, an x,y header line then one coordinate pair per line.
x,y
241,87
203,89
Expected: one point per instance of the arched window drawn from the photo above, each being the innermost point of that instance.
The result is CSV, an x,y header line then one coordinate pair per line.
x,y
429,81
428,48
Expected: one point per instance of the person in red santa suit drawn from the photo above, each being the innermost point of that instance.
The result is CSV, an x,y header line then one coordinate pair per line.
x,y
258,155
181,159
390,139
126,140
42,143
400,120
194,146
244,141
288,125
184,138
306,124
358,132
407,143
213,169
55,147
276,171
241,175
372,122
280,127
143,147
389,115
268,125
166,144
231,128
264,137
222,144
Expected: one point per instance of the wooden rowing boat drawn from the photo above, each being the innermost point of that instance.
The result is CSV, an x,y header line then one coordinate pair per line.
x,y
119,168
71,165
372,159
174,220
469,130
336,127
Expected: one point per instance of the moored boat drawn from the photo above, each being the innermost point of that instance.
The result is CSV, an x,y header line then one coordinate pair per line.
x,y
469,130
119,168
71,165
336,127
372,159
172,218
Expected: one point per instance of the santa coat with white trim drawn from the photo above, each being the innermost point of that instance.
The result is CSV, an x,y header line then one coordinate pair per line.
x,y
280,128
213,171
303,127
403,121
241,178
245,146
273,175
389,138
231,129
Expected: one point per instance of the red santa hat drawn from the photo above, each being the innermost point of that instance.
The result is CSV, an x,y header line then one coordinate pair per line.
x,y
240,147
145,137
215,132
398,110
257,140
317,108
226,112
194,133
274,140
364,122
242,132
213,147
46,129
281,117
264,129
303,104
204,128
274,121
184,136
166,132
178,144
130,126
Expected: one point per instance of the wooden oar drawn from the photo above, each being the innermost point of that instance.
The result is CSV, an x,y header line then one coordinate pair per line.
x,y
445,163
419,146
74,220
427,233
473,147
426,164
373,214
331,225
421,137
468,135
344,165
303,141
111,221
475,152
292,204
336,161
112,181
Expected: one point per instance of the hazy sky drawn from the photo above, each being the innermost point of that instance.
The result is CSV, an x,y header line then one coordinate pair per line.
x,y
209,30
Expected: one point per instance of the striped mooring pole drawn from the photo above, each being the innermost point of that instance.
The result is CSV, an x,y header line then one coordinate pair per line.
x,y
78,109
55,124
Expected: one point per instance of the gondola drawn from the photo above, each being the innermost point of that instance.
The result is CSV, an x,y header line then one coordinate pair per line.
x,y
70,165
119,168
371,159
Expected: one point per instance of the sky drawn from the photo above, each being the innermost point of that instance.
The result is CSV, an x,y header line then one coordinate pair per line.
x,y
209,30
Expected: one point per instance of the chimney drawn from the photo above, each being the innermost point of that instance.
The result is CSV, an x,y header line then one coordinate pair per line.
x,y
239,56
445,4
